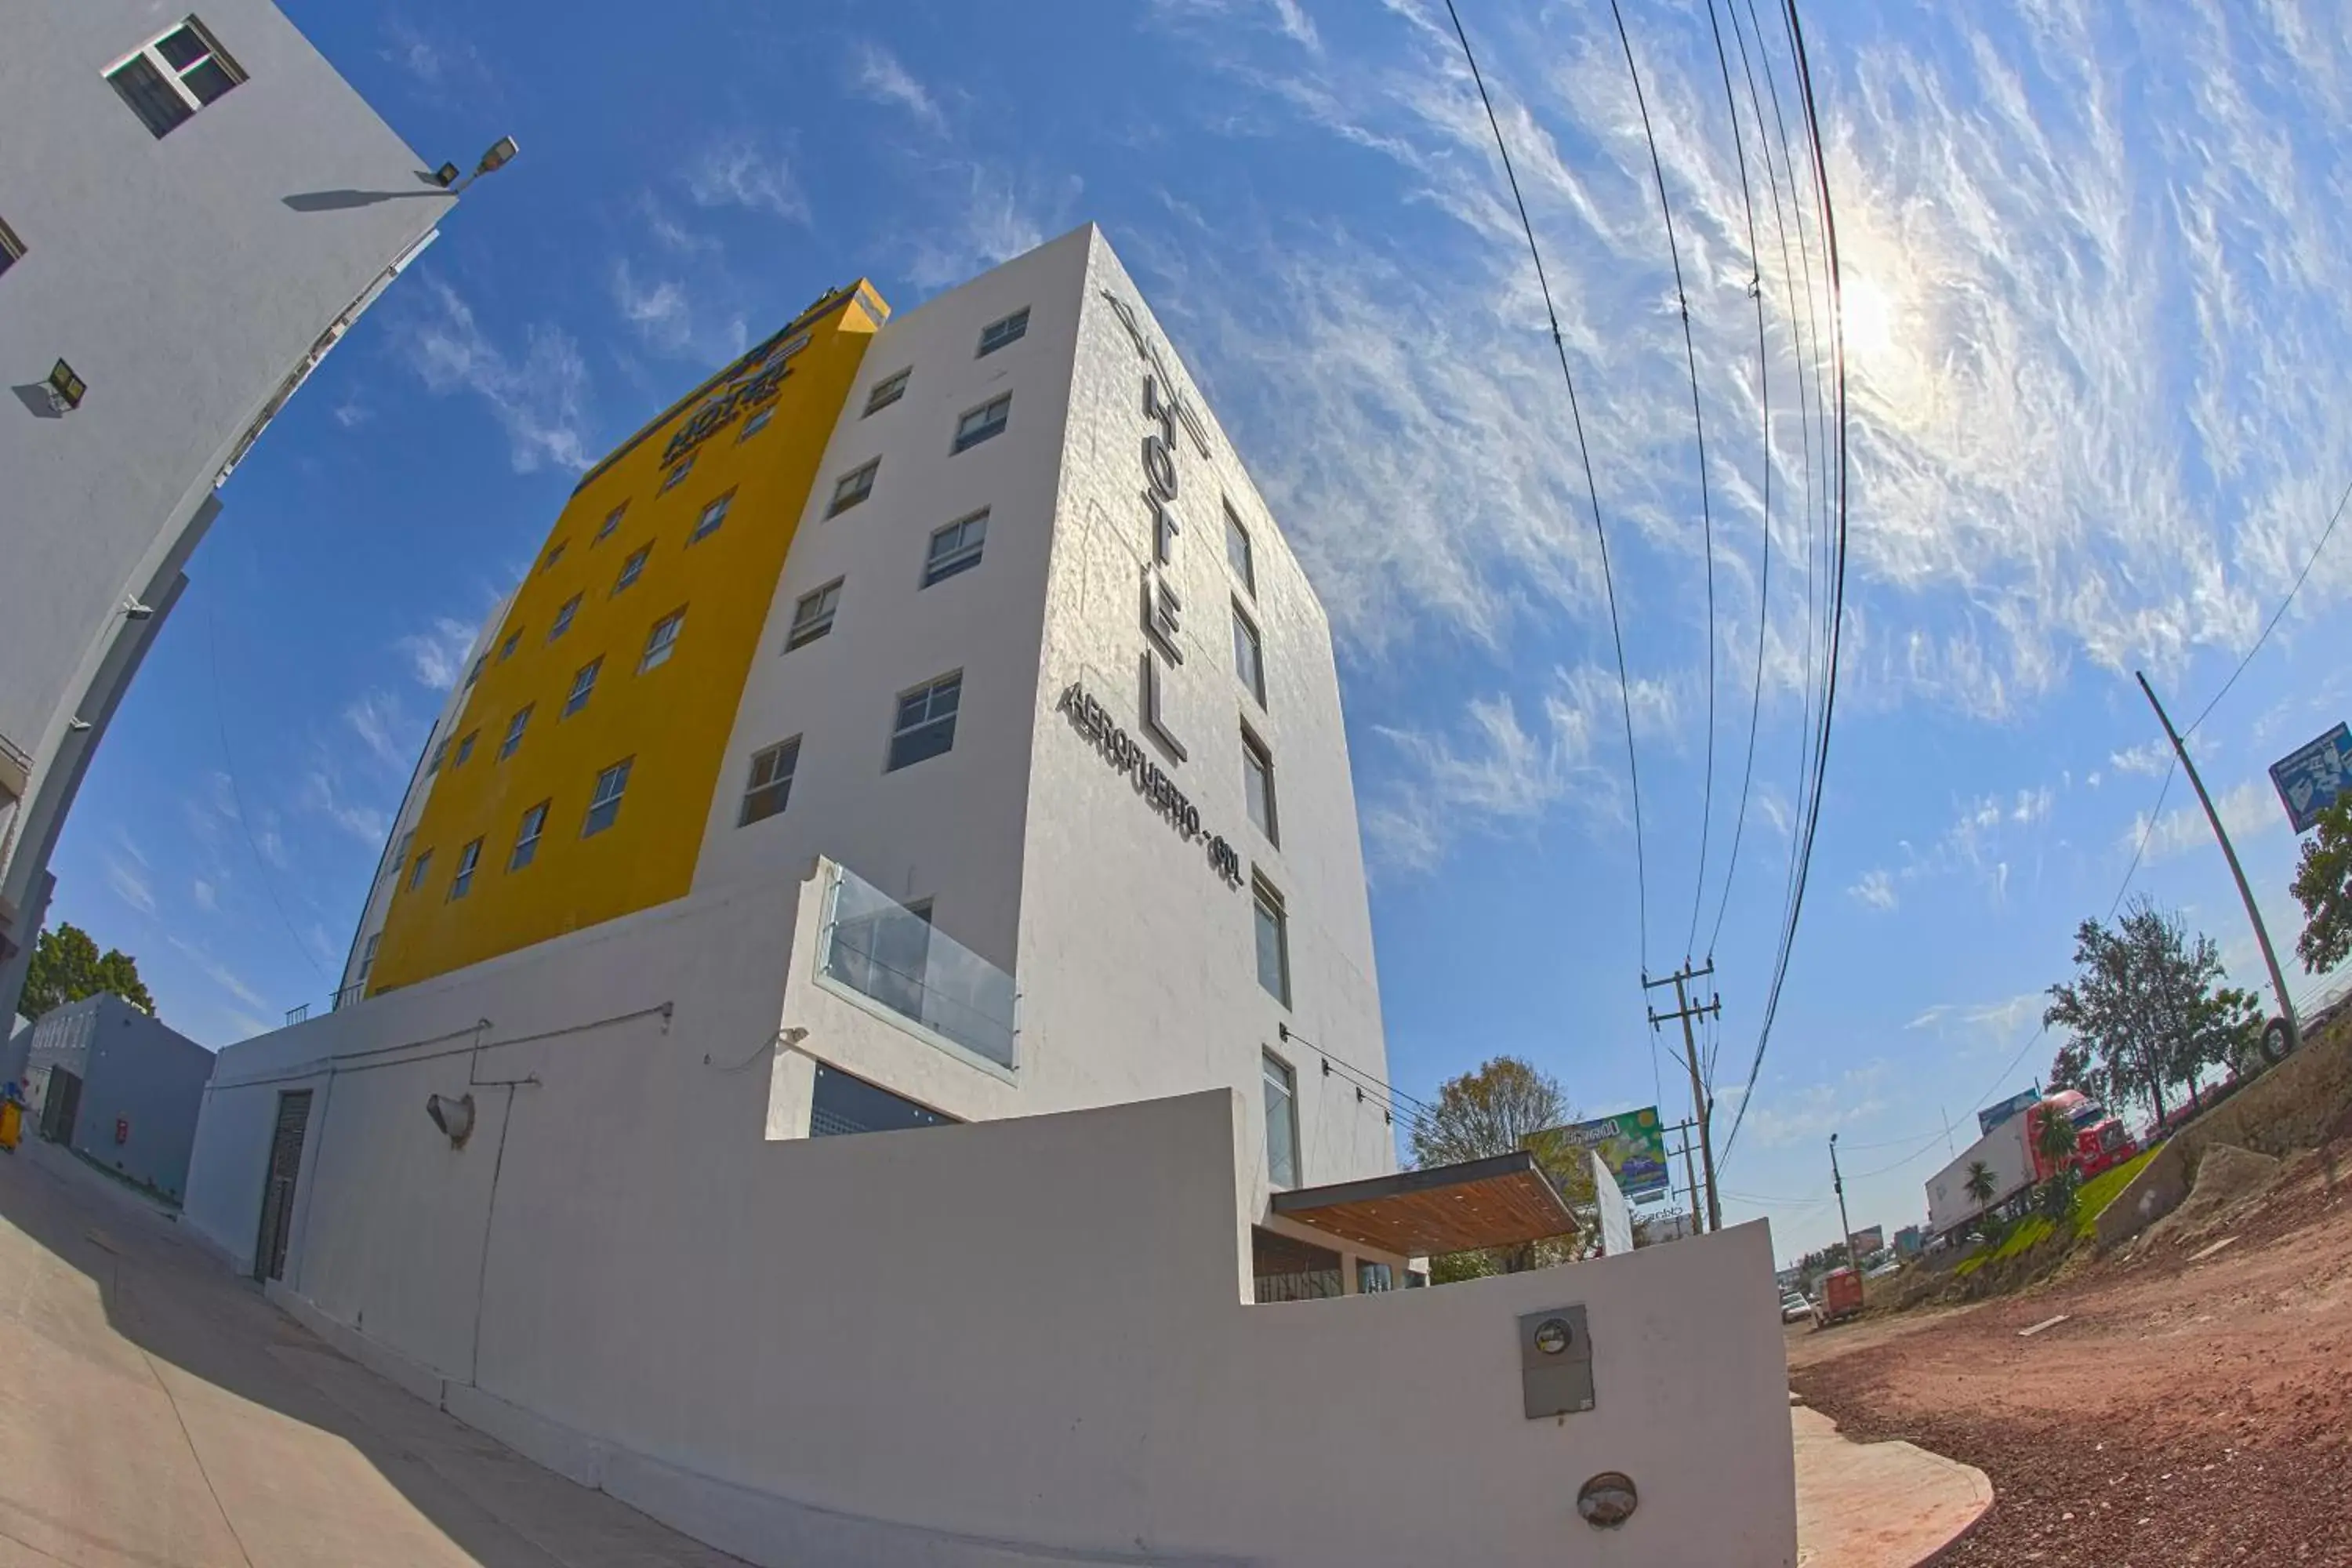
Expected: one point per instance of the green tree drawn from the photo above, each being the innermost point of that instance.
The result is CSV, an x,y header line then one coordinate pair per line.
x,y
1506,1104
2053,1138
2323,886
2144,1009
66,966
1980,1184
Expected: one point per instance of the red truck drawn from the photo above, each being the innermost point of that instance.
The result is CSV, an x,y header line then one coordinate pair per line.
x,y
1841,1296
2010,1153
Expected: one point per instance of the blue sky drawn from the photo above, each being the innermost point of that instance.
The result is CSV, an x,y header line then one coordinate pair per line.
x,y
2099,383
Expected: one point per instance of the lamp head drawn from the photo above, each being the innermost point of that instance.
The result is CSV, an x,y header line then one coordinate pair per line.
x,y
500,152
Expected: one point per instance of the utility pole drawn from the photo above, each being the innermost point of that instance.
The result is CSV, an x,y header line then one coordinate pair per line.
x,y
2261,934
1702,1106
1948,1130
1845,1224
1690,1174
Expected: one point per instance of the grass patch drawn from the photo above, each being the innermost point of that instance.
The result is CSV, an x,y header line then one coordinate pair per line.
x,y
2101,1190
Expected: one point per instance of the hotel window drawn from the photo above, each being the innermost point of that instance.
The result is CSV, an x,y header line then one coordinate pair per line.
x,y
417,874
712,516
1237,551
999,334
813,616
506,649
367,958
1289,1269
1257,784
630,568
166,83
926,721
476,673
1281,1120
468,859
563,617
956,547
526,849
770,783
399,856
1272,941
886,391
604,805
547,562
757,423
661,642
676,476
853,487
440,754
981,422
11,249
466,746
1248,658
612,521
583,686
515,727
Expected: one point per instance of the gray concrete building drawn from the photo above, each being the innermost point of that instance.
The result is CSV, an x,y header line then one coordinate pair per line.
x,y
118,1089
193,208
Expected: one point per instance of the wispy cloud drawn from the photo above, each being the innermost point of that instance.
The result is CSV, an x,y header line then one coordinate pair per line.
x,y
741,169
220,974
129,882
2248,810
1806,1115
538,396
375,717
875,73
657,312
436,656
1876,888
995,216
206,897
350,413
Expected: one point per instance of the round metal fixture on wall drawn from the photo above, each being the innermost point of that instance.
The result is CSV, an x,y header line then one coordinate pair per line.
x,y
454,1117
1552,1336
1608,1499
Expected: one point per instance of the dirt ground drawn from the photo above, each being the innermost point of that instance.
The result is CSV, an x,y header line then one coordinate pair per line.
x,y
2183,1412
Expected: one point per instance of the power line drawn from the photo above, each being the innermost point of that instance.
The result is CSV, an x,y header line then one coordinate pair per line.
x,y
1698,427
1593,488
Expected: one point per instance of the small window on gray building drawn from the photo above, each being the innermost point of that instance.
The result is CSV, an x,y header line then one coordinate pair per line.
x,y
11,249
853,488
1288,1269
812,616
367,958
1281,1123
926,722
1273,939
886,391
999,334
166,83
842,1103
956,548
1237,551
770,786
1249,657
983,423
1257,784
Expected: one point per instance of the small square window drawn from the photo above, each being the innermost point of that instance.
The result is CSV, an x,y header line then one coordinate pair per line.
x,y
612,521
1281,1120
476,673
757,423
1237,551
1272,941
466,746
416,874
887,391
712,516
999,334
506,649
853,488
630,568
926,721
583,686
515,727
983,423
166,83
661,642
956,548
1257,784
812,616
526,844
676,476
563,617
604,805
770,783
468,859
440,754
11,249
547,563
1248,660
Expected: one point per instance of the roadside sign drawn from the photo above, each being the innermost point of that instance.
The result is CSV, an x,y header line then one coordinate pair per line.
x,y
2311,777
1633,1147
1992,1116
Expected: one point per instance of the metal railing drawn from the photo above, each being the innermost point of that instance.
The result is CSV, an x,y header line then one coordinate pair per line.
x,y
891,954
295,1014
349,995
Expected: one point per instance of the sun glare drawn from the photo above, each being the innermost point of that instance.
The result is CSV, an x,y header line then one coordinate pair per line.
x,y
1868,318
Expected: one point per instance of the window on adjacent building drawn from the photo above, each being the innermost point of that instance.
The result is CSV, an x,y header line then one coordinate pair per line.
x,y
1257,784
842,1103
466,746
506,649
1237,551
400,855
926,721
476,673
367,958
676,476
547,563
525,845
1281,1120
757,423
11,249
887,391
1272,941
583,686
770,783
416,874
604,804
166,83
440,754
853,487
956,547
612,521
515,727
712,516
997,334
812,616
630,568
983,422
468,859
1289,1269
563,617
1248,661
662,641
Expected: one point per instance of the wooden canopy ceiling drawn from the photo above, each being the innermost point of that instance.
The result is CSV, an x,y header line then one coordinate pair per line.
x,y
1501,1201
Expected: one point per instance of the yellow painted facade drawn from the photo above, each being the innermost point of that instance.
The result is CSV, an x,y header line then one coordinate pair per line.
x,y
669,723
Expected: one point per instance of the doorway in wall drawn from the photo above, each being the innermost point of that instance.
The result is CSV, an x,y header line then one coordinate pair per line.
x,y
277,1185
61,1107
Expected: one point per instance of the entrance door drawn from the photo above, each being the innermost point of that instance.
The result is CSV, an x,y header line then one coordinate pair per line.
x,y
277,1188
61,1107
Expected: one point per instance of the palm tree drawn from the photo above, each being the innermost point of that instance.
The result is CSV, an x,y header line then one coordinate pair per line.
x,y
1979,1184
2054,1138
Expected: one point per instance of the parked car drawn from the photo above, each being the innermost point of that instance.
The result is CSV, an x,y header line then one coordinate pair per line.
x,y
1795,1307
1881,1271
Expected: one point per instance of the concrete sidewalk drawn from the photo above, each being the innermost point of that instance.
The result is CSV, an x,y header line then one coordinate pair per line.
x,y
155,1411
1877,1505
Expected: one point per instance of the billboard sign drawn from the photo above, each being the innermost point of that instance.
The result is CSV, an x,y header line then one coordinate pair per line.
x,y
1633,1145
1869,1241
2311,777
1992,1116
